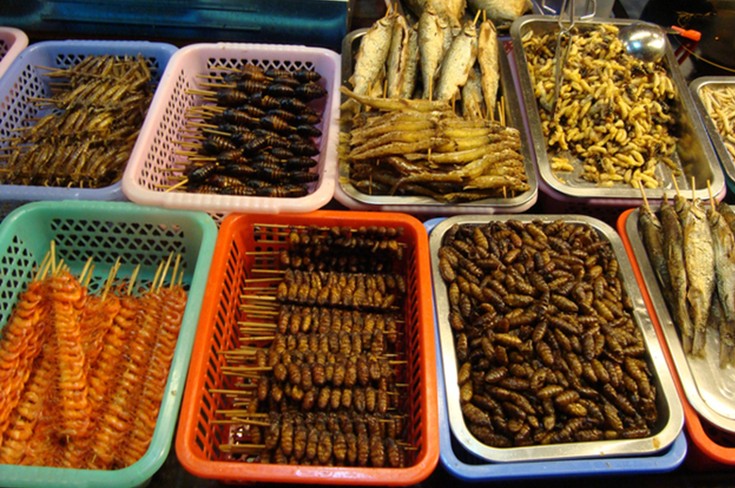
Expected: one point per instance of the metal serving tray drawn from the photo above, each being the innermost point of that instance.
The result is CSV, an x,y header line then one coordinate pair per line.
x,y
708,388
726,160
671,418
518,203
694,152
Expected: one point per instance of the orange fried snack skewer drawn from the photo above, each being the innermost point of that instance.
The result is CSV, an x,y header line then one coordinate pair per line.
x,y
67,297
146,413
19,346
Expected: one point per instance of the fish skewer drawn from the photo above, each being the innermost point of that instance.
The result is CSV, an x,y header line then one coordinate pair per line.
x,y
487,58
457,63
652,232
373,53
724,258
431,48
700,270
673,242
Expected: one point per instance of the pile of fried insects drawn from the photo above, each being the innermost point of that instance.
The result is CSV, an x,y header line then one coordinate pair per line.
x,y
81,134
251,132
317,375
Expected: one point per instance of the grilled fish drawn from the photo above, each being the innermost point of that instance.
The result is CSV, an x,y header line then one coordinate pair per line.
x,y
724,256
472,100
431,48
487,58
372,53
411,65
457,63
728,214
651,231
699,261
397,57
673,243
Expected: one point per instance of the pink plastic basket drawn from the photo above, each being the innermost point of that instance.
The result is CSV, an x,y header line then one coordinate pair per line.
x,y
12,42
147,177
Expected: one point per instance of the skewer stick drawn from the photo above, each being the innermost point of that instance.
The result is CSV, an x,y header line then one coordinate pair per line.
x,y
240,448
178,185
133,278
53,258
237,353
224,391
711,196
246,368
694,197
110,278
676,187
260,288
177,263
86,275
258,423
255,309
267,298
645,200
165,271
262,325
263,280
156,277
204,93
43,267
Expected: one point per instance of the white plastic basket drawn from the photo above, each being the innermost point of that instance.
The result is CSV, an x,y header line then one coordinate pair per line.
x,y
146,176
12,42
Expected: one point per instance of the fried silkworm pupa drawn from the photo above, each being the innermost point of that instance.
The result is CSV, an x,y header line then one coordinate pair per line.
x,y
309,91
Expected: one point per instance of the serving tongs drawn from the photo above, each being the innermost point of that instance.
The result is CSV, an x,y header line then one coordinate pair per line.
x,y
563,42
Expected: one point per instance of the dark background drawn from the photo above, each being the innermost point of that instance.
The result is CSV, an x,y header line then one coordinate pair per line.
x,y
281,21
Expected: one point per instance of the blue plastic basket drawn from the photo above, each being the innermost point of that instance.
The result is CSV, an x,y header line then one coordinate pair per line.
x,y
465,466
24,79
106,231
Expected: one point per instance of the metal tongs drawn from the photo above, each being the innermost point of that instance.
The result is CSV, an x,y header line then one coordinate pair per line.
x,y
563,41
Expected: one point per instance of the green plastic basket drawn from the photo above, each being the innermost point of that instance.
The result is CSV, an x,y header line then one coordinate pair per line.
x,y
106,231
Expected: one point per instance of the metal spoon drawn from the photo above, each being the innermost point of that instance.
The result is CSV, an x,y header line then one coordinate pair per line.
x,y
563,41
645,41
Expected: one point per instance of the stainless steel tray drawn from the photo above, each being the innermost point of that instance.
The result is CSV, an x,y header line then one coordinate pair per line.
x,y
708,388
518,203
694,152
726,160
671,419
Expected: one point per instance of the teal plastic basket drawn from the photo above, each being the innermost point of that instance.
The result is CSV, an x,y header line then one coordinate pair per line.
x,y
106,231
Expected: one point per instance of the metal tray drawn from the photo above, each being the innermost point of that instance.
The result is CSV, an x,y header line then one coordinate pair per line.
x,y
671,416
354,198
708,388
726,159
694,152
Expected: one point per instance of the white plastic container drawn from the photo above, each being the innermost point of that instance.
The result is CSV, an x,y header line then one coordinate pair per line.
x,y
148,173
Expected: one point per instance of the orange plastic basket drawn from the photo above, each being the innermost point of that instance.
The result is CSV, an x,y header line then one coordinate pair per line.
x,y
198,439
709,443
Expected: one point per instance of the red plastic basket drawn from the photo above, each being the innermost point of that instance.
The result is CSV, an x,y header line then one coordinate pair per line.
x,y
709,446
198,439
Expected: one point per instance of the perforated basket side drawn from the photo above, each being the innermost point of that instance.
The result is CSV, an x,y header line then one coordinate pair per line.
x,y
25,80
197,438
107,231
147,178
